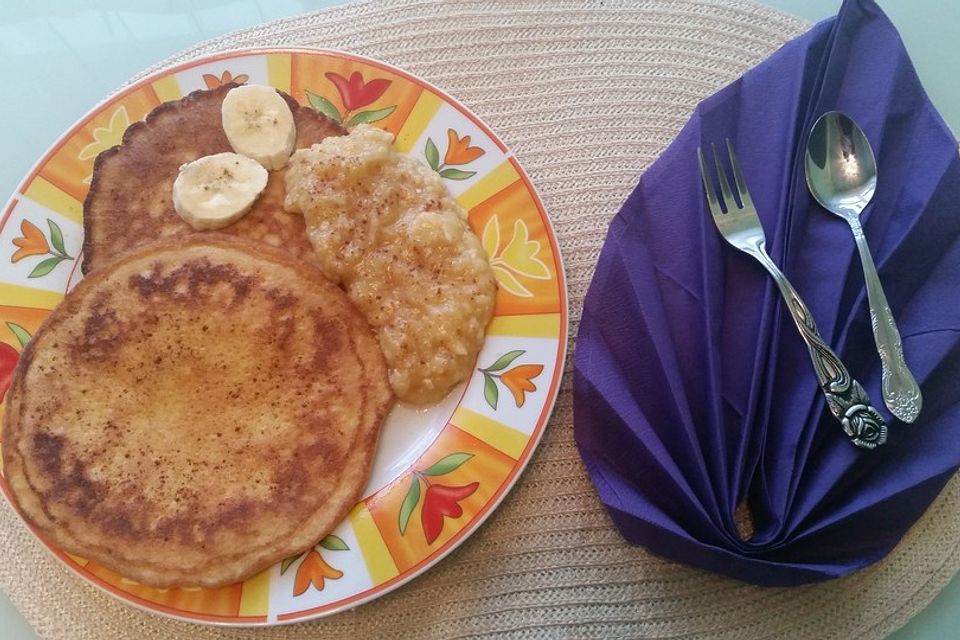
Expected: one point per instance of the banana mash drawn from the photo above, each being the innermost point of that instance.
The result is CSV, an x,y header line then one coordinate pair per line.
x,y
386,229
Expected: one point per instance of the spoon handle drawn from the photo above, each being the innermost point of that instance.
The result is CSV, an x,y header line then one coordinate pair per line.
x,y
901,393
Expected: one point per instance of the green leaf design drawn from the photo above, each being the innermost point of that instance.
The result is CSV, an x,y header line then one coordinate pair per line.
x,y
289,561
45,267
456,174
446,464
504,361
409,502
56,237
490,391
23,336
433,156
334,543
371,116
324,106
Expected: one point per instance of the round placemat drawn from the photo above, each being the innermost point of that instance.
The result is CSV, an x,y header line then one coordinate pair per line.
x,y
587,94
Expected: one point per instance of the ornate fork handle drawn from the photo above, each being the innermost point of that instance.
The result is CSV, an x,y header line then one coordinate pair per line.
x,y
847,400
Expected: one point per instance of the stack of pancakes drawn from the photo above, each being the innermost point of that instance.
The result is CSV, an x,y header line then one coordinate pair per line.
x,y
202,404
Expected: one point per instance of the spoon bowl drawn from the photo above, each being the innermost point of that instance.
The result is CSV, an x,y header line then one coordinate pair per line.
x,y
840,166
841,173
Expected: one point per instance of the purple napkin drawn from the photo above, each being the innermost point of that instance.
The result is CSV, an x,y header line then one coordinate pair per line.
x,y
694,394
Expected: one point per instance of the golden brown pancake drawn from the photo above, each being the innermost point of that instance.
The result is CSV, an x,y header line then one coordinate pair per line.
x,y
130,198
195,411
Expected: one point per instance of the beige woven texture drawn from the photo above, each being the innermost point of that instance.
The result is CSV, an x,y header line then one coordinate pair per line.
x,y
587,94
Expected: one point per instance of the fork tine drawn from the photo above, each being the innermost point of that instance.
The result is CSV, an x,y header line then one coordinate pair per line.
x,y
738,177
707,187
728,200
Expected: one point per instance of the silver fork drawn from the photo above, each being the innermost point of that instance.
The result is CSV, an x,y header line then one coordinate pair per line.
x,y
740,226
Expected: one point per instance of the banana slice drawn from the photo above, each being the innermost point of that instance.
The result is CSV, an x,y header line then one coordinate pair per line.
x,y
259,124
215,191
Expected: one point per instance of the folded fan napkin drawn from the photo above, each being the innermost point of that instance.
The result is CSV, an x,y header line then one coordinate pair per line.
x,y
693,392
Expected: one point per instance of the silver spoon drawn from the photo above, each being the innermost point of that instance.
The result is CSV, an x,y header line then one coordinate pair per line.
x,y
842,176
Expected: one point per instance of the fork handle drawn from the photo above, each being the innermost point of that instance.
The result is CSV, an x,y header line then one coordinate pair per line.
x,y
846,398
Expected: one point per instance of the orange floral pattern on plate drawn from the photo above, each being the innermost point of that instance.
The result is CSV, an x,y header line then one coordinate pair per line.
x,y
517,379
459,152
33,242
212,82
314,569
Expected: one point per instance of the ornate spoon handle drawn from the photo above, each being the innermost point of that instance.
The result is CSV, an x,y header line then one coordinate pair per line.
x,y
847,400
901,393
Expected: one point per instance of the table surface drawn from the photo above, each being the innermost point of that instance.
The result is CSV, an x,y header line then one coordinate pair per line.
x,y
67,55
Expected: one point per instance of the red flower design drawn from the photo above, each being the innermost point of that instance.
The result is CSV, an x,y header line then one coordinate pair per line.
x,y
356,93
442,501
8,360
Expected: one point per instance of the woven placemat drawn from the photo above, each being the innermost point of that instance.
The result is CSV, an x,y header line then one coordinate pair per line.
x,y
587,94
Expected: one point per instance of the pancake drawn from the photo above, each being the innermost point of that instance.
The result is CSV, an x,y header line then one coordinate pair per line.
x,y
130,198
195,411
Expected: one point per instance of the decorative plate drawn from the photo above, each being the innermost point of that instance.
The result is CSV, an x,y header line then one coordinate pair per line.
x,y
439,472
